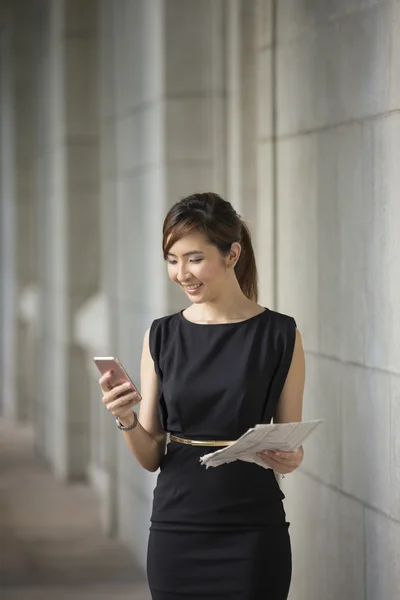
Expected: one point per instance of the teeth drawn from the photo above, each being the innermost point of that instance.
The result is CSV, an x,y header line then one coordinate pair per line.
x,y
192,287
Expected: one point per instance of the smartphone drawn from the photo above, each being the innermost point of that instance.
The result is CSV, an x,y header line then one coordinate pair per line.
x,y
119,374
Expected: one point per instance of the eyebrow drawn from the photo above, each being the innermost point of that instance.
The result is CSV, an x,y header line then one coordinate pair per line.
x,y
186,253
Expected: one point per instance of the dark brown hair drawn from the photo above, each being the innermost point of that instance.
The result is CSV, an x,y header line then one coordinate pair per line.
x,y
216,218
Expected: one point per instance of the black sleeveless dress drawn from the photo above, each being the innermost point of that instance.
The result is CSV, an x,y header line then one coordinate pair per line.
x,y
218,533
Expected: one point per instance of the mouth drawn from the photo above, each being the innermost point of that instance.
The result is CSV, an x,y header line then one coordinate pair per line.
x,y
192,289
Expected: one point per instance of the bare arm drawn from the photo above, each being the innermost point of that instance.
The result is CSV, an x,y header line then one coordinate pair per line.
x,y
147,440
289,409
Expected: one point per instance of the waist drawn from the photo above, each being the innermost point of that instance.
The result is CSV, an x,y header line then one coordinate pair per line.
x,y
180,440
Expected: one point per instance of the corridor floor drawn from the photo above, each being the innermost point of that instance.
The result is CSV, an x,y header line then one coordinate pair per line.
x,y
51,544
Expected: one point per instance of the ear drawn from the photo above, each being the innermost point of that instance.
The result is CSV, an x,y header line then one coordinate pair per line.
x,y
234,254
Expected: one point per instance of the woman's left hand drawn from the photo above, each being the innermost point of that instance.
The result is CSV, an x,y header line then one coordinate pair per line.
x,y
282,462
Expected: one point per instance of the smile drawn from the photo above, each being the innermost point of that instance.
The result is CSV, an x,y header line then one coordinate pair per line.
x,y
192,288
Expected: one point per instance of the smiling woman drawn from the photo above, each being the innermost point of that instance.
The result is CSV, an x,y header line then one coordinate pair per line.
x,y
206,228
208,373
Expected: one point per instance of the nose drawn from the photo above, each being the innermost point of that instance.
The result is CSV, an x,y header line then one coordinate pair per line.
x,y
183,274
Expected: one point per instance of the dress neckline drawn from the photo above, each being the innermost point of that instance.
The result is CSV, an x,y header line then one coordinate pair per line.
x,y
221,324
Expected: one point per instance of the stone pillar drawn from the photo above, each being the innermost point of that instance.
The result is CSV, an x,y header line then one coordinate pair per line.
x,y
135,281
195,106
249,131
69,256
266,183
339,212
8,283
162,137
25,79
97,322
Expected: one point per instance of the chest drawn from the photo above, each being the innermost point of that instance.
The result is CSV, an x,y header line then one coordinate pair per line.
x,y
217,379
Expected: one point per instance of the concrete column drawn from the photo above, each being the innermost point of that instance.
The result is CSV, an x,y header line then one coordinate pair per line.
x,y
92,334
70,262
8,281
43,407
136,283
195,106
339,211
98,322
162,138
265,227
25,80
249,151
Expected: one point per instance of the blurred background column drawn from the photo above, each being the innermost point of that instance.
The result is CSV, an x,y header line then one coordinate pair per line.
x,y
68,223
249,118
162,137
8,241
26,135
95,322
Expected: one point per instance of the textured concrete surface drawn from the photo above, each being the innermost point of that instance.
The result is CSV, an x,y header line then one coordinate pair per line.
x,y
51,545
337,248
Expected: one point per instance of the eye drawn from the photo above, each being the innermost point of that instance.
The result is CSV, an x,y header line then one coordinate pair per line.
x,y
171,262
196,260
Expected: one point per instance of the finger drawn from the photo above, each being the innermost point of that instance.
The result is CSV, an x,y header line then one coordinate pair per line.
x,y
106,399
127,397
121,389
286,455
281,467
274,465
284,462
116,410
265,460
104,381
115,392
123,401
283,458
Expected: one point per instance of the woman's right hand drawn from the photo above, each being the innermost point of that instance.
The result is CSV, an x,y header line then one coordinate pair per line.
x,y
120,399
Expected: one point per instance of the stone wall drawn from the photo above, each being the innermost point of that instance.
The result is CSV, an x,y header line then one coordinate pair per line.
x,y
338,249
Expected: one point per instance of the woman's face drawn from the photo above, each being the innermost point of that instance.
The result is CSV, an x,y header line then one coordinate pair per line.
x,y
199,268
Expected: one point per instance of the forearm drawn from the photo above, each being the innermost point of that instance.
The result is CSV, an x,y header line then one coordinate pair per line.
x,y
148,450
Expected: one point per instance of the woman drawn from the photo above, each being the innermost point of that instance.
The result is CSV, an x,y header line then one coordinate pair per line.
x,y
208,373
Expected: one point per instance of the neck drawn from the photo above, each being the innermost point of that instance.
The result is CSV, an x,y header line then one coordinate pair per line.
x,y
225,308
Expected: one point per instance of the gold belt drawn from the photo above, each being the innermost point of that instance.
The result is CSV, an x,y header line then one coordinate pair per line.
x,y
175,438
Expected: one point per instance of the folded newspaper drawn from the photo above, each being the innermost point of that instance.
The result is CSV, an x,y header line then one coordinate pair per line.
x,y
285,437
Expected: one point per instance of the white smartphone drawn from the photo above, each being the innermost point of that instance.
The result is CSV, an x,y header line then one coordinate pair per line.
x,y
119,374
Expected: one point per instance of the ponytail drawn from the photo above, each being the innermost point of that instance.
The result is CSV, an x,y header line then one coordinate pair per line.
x,y
245,268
